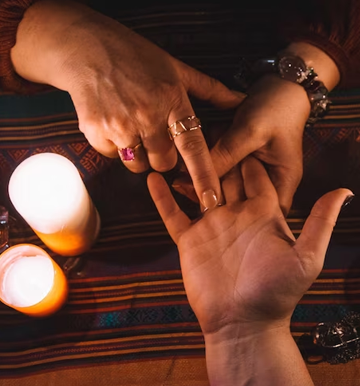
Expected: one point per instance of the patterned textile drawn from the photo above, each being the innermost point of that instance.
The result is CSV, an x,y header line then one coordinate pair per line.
x,y
129,304
127,320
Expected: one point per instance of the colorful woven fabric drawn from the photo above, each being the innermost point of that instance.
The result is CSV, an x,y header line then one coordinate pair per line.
x,y
127,320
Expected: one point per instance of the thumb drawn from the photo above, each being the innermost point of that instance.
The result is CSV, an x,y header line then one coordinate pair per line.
x,y
232,147
207,88
316,233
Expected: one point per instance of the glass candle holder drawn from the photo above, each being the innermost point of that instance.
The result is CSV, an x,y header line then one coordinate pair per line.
x,y
31,281
4,229
48,192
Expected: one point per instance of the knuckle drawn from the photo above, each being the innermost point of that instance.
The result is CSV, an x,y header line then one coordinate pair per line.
x,y
83,127
100,127
191,146
140,118
88,131
317,213
164,93
178,100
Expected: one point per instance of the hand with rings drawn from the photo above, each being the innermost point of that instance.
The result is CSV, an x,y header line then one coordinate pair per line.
x,y
126,90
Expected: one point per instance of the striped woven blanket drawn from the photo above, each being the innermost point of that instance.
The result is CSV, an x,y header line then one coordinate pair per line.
x,y
127,320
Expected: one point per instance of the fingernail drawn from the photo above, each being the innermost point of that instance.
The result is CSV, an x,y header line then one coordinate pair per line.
x,y
347,201
209,199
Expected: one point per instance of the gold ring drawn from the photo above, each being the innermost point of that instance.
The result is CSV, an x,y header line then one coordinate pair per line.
x,y
128,153
183,125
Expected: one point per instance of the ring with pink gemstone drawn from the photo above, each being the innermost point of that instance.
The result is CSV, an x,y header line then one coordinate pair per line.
x,y
128,153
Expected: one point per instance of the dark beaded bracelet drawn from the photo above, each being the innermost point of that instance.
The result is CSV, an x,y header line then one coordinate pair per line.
x,y
340,341
293,69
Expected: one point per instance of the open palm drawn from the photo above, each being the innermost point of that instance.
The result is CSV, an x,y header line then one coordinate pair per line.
x,y
240,262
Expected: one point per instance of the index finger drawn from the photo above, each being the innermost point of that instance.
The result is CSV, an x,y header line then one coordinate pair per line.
x,y
175,220
185,130
256,179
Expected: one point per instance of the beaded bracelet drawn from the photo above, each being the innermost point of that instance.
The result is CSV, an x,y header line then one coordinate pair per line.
x,y
293,69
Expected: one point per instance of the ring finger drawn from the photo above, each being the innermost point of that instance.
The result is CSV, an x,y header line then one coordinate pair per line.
x,y
133,155
160,150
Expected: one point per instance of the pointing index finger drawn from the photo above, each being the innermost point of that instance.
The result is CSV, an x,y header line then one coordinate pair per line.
x,y
189,140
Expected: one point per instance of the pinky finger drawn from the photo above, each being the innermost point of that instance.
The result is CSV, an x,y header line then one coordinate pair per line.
x,y
175,220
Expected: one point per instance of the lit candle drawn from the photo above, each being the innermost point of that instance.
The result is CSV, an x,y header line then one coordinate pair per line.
x,y
31,281
48,192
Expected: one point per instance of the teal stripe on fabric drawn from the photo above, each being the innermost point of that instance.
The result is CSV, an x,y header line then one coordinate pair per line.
x,y
33,106
354,92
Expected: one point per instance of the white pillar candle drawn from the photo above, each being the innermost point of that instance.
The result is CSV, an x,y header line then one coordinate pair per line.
x,y
31,281
48,192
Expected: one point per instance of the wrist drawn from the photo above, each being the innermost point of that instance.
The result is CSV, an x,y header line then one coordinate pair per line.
x,y
284,95
247,330
244,356
45,40
256,356
294,69
322,63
